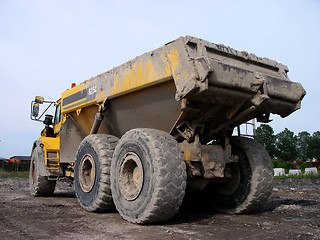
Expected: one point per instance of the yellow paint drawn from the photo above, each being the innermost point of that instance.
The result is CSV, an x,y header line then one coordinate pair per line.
x,y
83,105
139,74
173,56
74,90
143,73
57,126
187,155
39,99
167,67
78,111
50,143
100,96
68,173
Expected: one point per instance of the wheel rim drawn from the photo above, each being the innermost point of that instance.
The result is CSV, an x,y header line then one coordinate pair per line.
x,y
87,173
130,176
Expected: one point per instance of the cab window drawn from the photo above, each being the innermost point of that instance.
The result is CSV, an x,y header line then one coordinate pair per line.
x,y
57,116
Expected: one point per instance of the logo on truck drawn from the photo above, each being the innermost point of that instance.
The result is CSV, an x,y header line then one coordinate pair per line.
x,y
85,95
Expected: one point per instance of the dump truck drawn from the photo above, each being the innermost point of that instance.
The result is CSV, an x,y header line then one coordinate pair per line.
x,y
137,136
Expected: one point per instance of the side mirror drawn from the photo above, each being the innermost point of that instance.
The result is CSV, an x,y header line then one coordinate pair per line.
x,y
35,110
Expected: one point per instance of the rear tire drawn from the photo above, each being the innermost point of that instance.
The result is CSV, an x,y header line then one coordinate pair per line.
x,y
251,182
148,176
92,172
39,186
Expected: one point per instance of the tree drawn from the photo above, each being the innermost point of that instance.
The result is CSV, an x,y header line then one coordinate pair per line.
x,y
286,145
304,141
265,135
315,145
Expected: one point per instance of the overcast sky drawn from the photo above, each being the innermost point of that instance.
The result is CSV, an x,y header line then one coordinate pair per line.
x,y
47,45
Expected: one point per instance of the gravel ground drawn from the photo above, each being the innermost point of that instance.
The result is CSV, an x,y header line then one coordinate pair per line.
x,y
292,212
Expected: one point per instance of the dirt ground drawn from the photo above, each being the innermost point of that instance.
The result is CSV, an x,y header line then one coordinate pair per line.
x,y
292,212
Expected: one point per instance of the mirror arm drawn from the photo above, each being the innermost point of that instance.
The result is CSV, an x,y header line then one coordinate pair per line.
x,y
38,119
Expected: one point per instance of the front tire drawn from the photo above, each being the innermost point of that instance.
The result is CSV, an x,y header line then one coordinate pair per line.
x,y
92,172
251,183
39,186
148,176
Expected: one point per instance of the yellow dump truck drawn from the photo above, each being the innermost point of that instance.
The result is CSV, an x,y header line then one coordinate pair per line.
x,y
135,137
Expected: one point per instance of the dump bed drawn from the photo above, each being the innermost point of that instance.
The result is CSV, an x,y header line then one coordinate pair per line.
x,y
188,83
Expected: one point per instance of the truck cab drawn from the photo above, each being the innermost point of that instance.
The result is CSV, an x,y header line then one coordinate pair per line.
x,y
45,165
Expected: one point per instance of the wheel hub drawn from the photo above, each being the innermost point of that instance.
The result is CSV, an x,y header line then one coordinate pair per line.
x,y
130,176
87,173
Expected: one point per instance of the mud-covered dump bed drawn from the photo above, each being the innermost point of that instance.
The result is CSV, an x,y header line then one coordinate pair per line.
x,y
186,85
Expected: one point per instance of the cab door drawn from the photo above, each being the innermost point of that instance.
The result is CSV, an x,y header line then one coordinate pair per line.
x,y
58,118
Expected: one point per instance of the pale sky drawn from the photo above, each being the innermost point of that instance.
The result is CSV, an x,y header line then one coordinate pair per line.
x,y
46,45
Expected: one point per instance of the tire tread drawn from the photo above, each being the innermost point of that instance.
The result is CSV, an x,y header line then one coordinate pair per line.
x,y
104,146
170,172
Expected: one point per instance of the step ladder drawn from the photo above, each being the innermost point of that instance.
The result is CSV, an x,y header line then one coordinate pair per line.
x,y
52,163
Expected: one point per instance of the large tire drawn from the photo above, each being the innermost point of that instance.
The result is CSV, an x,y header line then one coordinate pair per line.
x,y
251,182
92,172
39,186
148,176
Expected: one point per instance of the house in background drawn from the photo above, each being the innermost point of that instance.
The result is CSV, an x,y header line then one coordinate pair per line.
x,y
4,159
20,159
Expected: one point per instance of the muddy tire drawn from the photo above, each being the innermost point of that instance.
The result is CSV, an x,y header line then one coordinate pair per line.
x,y
148,176
251,184
92,172
39,186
